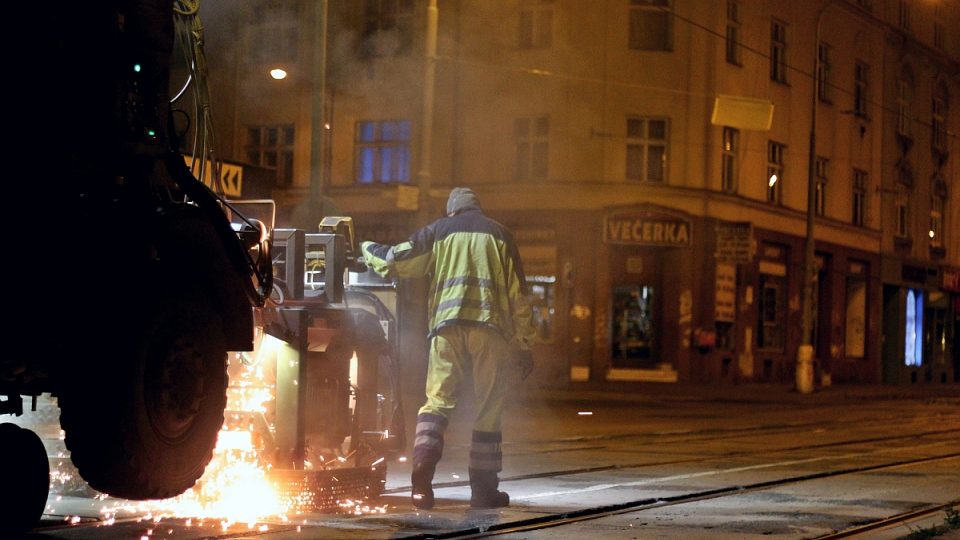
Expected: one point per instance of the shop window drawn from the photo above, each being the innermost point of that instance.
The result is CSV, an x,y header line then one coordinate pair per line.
x,y
542,291
634,328
913,329
770,328
935,334
856,311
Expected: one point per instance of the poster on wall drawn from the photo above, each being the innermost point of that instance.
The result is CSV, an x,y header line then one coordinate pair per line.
x,y
726,297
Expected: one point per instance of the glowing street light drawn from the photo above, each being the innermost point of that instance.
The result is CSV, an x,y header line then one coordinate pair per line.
x,y
278,73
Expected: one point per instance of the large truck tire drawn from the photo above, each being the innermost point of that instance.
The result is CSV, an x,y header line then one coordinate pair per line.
x,y
144,424
26,480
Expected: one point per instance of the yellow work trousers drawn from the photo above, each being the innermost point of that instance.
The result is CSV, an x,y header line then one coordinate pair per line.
x,y
457,351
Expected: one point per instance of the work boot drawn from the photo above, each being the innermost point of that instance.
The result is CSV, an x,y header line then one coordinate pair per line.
x,y
422,481
483,490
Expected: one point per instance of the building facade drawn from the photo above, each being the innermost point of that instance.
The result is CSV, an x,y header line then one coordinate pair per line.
x,y
653,158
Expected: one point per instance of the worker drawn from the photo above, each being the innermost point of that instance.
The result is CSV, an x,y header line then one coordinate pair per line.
x,y
480,324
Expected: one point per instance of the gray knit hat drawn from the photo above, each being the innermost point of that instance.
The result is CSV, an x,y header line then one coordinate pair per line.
x,y
460,199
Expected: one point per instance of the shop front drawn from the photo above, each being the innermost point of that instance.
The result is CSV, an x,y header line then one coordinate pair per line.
x,y
919,318
647,298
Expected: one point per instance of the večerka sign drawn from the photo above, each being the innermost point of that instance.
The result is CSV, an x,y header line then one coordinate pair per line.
x,y
647,228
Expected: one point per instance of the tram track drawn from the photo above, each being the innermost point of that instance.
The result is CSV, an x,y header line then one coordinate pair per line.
x,y
701,459
865,529
638,505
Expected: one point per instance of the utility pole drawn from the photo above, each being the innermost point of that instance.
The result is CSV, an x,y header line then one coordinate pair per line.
x,y
318,106
804,372
424,207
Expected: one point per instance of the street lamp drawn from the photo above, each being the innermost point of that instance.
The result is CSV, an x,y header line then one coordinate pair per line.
x,y
804,372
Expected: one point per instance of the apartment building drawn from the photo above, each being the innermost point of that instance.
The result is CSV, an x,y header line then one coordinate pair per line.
x,y
653,158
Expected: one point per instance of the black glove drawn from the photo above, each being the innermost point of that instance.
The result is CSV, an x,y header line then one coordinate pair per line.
x,y
525,361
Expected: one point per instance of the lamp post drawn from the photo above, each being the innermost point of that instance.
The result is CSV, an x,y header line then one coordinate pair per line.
x,y
804,372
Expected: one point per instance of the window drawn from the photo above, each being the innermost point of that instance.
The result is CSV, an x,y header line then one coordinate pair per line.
x,y
861,95
651,25
646,149
729,173
273,32
775,152
542,304
936,220
536,24
902,212
387,27
823,72
859,197
778,51
904,116
733,32
820,187
770,329
382,151
903,14
913,329
938,122
855,329
272,147
531,135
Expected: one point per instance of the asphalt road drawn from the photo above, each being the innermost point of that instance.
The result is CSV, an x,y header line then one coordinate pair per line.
x,y
661,461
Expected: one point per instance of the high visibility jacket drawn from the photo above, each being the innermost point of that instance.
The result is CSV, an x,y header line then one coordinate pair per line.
x,y
475,272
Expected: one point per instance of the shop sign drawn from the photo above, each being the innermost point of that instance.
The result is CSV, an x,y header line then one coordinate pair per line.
x,y
951,279
649,228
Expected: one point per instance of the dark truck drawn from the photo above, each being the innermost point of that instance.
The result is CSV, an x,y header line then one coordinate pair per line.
x,y
127,283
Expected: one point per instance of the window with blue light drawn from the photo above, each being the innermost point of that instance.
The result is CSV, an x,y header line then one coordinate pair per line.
x,y
913,330
383,152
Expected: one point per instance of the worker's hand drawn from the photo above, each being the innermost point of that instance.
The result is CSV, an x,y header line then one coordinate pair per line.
x,y
525,361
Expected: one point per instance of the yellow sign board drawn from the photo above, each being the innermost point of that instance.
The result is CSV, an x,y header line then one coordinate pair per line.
x,y
231,177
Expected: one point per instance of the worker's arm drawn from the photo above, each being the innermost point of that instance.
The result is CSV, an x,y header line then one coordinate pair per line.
x,y
521,313
407,259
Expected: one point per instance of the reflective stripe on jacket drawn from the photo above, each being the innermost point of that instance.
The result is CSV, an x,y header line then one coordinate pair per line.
x,y
475,271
